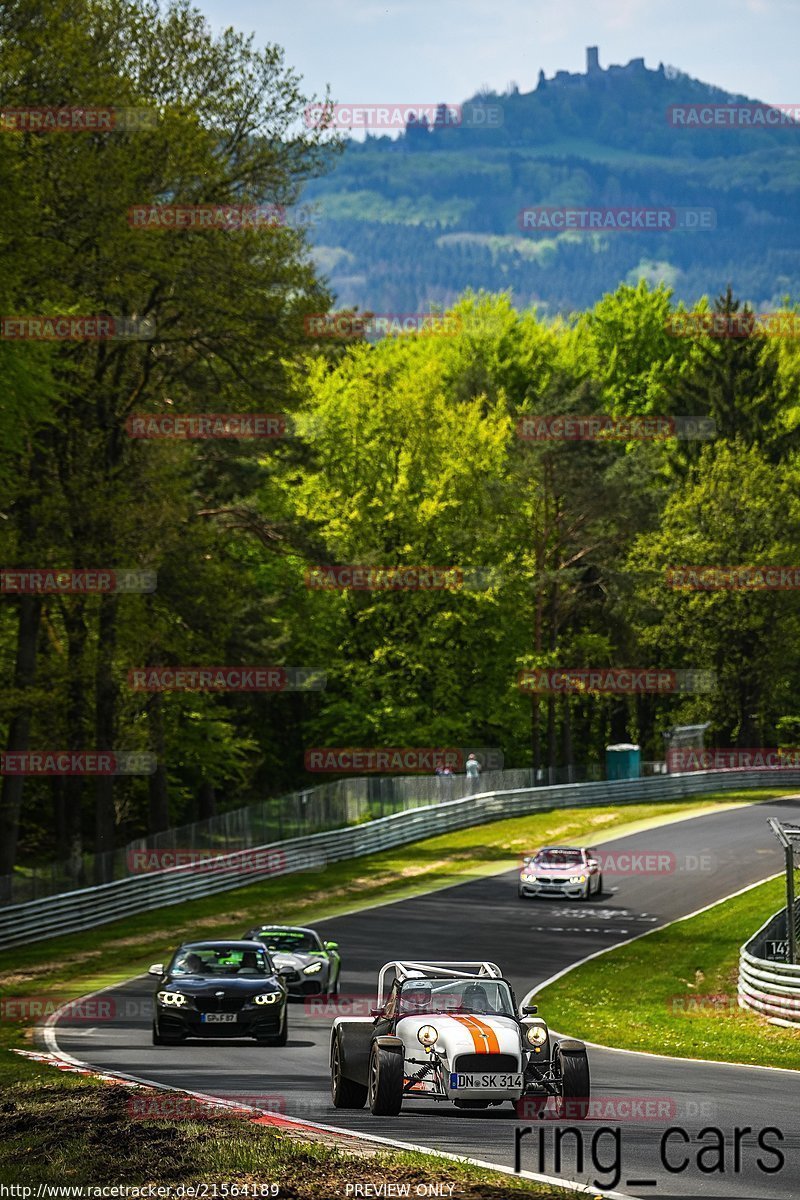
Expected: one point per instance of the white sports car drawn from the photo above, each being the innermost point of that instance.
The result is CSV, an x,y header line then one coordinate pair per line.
x,y
450,1031
570,872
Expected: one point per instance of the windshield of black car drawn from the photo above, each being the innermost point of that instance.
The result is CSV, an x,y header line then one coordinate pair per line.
x,y
559,858
288,941
221,961
489,997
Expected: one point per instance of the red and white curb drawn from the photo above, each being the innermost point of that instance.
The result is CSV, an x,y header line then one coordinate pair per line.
x,y
66,1062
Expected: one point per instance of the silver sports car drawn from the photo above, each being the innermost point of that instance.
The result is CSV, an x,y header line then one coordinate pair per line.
x,y
307,965
571,872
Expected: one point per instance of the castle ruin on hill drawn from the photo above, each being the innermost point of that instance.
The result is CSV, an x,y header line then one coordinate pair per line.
x,y
595,74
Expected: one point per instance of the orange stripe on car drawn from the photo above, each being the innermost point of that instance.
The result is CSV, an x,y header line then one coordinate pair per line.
x,y
484,1038
489,1034
479,1045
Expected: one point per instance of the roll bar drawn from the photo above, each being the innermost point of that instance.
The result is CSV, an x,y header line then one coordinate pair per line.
x,y
403,969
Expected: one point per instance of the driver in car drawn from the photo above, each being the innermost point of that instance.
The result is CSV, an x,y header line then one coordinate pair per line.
x,y
416,999
475,999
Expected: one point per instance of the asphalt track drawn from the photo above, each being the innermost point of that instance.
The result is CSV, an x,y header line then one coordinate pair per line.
x,y
715,856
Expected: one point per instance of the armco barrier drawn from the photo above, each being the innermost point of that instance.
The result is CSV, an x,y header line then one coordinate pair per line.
x,y
86,908
769,988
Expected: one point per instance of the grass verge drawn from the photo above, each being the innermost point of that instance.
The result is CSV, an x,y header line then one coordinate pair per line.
x,y
674,991
67,1132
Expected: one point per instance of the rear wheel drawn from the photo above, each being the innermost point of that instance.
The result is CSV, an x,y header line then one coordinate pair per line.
x,y
573,1101
345,1093
385,1082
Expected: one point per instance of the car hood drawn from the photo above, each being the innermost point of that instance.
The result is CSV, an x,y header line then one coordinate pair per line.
x,y
204,985
298,960
463,1034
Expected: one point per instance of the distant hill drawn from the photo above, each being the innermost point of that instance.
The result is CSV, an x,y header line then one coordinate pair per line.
x,y
408,222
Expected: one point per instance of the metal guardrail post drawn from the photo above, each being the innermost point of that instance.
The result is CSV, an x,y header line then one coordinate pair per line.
x,y
780,832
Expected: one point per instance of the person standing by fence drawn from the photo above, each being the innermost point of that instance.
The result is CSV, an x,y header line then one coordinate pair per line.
x,y
473,770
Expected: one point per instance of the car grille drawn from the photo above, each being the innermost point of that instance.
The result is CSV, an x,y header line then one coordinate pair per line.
x,y
486,1062
549,879
226,1004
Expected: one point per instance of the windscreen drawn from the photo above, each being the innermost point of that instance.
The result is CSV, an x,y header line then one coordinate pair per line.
x,y
559,858
221,960
456,997
289,941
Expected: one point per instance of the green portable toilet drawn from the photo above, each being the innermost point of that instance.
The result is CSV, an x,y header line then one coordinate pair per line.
x,y
623,761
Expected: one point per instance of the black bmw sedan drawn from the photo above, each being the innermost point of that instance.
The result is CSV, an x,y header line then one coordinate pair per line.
x,y
219,989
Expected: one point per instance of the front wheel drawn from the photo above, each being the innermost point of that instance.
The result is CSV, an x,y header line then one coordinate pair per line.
x,y
345,1093
573,1101
385,1082
278,1039
160,1040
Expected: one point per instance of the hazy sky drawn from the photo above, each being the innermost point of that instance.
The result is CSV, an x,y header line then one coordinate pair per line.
x,y
415,51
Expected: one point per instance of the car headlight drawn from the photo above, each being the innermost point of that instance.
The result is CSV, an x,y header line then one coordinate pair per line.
x,y
536,1035
428,1035
578,879
173,999
267,998
313,968
527,878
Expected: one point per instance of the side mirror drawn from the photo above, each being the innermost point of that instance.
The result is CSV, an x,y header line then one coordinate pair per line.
x,y
530,1010
331,945
375,1012
156,969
